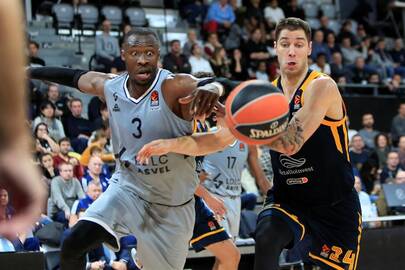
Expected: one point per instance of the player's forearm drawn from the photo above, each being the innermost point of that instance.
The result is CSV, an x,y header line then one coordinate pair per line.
x,y
13,132
291,141
202,192
204,144
261,180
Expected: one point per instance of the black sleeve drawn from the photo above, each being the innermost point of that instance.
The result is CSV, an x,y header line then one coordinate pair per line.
x,y
66,76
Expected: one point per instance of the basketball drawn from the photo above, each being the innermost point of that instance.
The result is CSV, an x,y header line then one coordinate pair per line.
x,y
256,112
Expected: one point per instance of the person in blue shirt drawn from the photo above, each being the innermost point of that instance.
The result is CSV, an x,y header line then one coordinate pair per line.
x,y
220,16
94,173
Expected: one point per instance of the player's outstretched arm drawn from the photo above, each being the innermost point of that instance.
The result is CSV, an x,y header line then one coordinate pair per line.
x,y
18,175
214,203
321,98
89,82
195,145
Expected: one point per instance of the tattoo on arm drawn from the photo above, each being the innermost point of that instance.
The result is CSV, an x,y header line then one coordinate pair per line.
x,y
292,141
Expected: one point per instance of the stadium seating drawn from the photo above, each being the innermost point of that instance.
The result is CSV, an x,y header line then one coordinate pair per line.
x,y
114,15
89,16
329,10
64,14
311,9
136,16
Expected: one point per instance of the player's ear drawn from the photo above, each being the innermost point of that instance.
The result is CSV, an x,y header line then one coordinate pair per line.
x,y
309,48
275,44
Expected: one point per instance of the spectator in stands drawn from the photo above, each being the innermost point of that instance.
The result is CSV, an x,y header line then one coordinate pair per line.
x,y
6,210
33,50
382,206
324,21
369,174
361,33
211,44
220,17
389,171
77,128
94,174
368,133
273,14
321,64
338,70
349,53
318,46
118,65
47,116
261,72
360,72
368,209
47,168
44,143
93,108
255,10
238,66
331,44
382,59
102,120
398,124
401,150
99,142
193,11
107,47
191,40
256,49
365,48
294,10
220,63
63,157
97,257
65,189
175,61
395,84
382,148
197,61
358,154
398,53
53,95
346,32
374,78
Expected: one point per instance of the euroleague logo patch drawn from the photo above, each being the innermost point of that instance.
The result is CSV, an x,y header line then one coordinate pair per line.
x,y
241,147
211,225
297,181
154,100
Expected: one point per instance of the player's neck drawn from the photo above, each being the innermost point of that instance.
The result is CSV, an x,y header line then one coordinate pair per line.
x,y
290,82
135,90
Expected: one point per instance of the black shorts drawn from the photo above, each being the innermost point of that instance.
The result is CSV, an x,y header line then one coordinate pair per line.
x,y
329,235
207,230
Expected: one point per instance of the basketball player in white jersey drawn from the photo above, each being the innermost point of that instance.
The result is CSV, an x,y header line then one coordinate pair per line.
x,y
18,175
154,202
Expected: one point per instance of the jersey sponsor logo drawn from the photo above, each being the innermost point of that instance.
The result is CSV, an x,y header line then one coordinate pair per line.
x,y
154,100
290,162
211,225
241,147
325,251
115,96
297,181
400,193
116,108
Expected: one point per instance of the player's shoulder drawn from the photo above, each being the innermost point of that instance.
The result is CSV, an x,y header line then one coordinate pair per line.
x,y
324,85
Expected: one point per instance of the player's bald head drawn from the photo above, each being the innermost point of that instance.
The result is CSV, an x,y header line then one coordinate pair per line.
x,y
141,37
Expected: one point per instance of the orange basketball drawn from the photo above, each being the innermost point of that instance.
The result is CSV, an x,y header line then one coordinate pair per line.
x,y
256,112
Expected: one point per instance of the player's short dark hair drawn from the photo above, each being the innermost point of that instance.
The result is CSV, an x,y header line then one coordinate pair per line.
x,y
142,31
293,24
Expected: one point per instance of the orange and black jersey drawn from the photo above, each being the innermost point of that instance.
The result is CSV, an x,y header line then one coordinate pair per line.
x,y
320,172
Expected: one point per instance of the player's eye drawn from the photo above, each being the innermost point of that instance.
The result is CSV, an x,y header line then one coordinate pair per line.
x,y
299,45
149,53
284,45
133,53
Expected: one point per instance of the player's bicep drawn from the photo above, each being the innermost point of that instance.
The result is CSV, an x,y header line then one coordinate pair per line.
x,y
318,100
93,83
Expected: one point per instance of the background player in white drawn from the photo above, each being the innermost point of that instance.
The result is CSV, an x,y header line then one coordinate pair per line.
x,y
153,202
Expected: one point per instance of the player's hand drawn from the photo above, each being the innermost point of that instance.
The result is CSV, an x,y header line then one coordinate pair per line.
x,y
154,148
203,100
97,265
20,177
216,205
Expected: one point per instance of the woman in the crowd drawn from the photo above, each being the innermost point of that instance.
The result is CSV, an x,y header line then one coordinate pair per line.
x,y
47,116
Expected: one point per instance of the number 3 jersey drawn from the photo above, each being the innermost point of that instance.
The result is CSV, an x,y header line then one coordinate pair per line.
x,y
168,179
225,169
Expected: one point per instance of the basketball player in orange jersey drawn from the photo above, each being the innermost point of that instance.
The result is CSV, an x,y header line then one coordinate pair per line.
x,y
17,172
312,204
